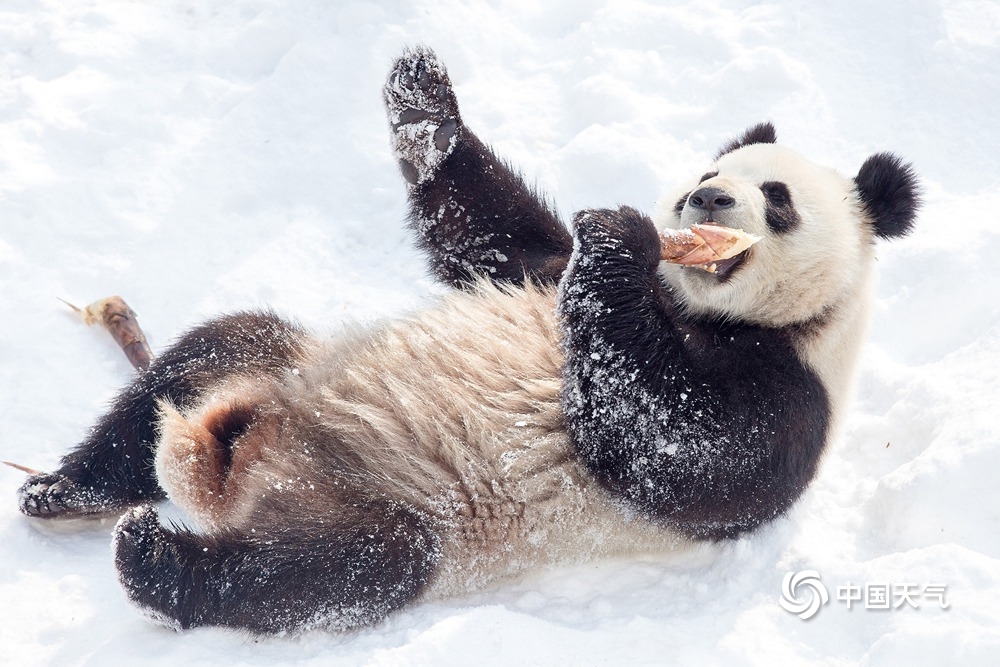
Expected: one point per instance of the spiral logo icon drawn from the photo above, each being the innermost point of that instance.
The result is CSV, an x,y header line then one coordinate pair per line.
x,y
817,595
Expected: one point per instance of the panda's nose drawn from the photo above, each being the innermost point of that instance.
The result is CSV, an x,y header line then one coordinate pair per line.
x,y
710,199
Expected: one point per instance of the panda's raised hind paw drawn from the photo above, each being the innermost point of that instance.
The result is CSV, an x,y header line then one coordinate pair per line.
x,y
423,113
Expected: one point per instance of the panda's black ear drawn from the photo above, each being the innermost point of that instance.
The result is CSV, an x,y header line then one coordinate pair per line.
x,y
890,194
761,133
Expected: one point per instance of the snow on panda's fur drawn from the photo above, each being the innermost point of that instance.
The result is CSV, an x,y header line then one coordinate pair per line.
x,y
634,408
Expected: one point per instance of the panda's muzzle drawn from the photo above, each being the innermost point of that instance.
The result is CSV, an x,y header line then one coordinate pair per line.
x,y
710,245
710,199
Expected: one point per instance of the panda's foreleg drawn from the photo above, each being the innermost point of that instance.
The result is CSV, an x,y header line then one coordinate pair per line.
x,y
113,467
713,428
610,299
339,572
631,396
473,215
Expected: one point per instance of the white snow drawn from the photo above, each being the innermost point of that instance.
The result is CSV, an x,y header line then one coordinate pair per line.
x,y
214,155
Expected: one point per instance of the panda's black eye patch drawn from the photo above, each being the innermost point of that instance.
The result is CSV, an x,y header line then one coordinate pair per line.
x,y
780,214
776,193
711,174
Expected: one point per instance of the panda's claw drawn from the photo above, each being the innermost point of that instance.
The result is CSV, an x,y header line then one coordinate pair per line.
x,y
138,535
51,495
420,80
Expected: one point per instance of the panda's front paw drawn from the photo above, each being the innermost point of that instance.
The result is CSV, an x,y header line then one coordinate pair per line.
x,y
147,564
51,495
423,113
617,234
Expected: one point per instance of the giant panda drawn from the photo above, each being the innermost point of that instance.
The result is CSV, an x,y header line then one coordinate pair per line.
x,y
572,398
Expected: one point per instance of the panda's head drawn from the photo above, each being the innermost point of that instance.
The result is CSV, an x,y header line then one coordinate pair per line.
x,y
817,227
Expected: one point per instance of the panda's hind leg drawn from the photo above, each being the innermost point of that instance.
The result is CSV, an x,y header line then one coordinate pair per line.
x,y
474,216
112,468
301,572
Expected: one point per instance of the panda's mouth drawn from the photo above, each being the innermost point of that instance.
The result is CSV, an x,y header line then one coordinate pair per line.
x,y
721,269
724,268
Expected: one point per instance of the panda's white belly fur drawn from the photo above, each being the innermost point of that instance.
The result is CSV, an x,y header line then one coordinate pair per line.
x,y
454,411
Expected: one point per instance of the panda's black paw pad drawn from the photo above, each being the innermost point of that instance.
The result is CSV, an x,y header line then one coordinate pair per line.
x,y
49,495
423,113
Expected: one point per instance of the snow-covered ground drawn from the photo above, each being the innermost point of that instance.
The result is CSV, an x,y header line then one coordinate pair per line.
x,y
209,155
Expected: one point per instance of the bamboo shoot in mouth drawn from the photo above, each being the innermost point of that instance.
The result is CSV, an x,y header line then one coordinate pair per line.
x,y
704,246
